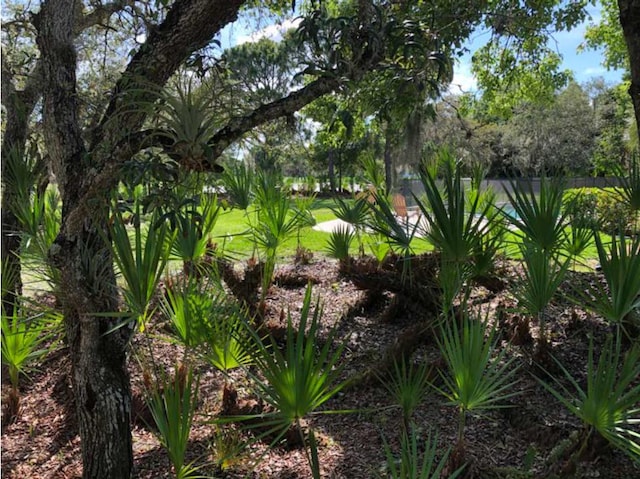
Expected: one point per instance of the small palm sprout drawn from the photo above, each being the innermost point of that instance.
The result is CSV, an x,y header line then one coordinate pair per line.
x,y
276,223
140,264
416,461
191,243
339,243
620,265
544,271
609,404
188,307
22,339
620,300
356,213
173,404
477,377
408,385
238,181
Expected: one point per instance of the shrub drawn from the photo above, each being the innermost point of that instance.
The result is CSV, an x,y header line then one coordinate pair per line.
x,y
599,208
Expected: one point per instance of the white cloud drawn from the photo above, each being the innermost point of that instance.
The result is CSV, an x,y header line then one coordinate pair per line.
x,y
591,71
463,79
273,32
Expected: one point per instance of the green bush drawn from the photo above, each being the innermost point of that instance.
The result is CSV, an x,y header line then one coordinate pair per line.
x,y
599,208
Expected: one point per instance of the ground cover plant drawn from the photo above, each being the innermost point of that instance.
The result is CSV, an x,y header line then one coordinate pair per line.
x,y
318,370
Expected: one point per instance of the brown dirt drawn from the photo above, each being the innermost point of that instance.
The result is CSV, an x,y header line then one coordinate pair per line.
x,y
43,443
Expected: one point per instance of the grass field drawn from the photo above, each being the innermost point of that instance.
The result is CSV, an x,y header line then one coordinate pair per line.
x,y
233,232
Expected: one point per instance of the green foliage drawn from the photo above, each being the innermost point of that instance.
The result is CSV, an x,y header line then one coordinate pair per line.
x,y
173,404
374,174
355,212
478,377
417,460
140,264
613,108
599,208
188,306
581,207
468,234
408,385
299,378
186,118
238,182
544,271
630,185
539,217
228,346
276,222
609,404
578,240
620,263
207,322
607,35
194,227
453,225
339,243
398,233
22,338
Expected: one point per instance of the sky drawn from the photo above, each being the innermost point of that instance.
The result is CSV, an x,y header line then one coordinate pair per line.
x,y
585,65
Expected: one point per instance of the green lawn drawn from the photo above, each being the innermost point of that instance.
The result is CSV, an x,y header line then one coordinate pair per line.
x,y
233,231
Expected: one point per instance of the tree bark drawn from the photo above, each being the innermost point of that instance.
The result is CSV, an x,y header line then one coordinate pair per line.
x,y
388,160
630,22
332,173
98,354
19,106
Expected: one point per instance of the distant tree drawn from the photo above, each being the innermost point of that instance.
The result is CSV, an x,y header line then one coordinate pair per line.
x,y
613,115
559,137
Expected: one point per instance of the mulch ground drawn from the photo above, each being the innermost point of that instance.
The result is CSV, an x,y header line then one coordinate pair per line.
x,y
515,442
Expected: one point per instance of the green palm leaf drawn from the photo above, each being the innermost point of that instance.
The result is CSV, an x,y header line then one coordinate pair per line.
x,y
610,402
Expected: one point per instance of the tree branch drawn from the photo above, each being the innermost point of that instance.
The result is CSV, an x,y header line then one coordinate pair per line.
x,y
188,26
100,14
265,113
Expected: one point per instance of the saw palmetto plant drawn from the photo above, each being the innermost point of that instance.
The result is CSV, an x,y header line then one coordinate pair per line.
x,y
619,301
609,403
297,379
542,275
141,261
478,377
417,458
173,404
539,217
408,384
355,212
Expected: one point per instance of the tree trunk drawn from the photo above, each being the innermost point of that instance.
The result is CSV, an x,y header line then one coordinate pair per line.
x,y
332,173
18,106
88,285
388,160
630,21
98,357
